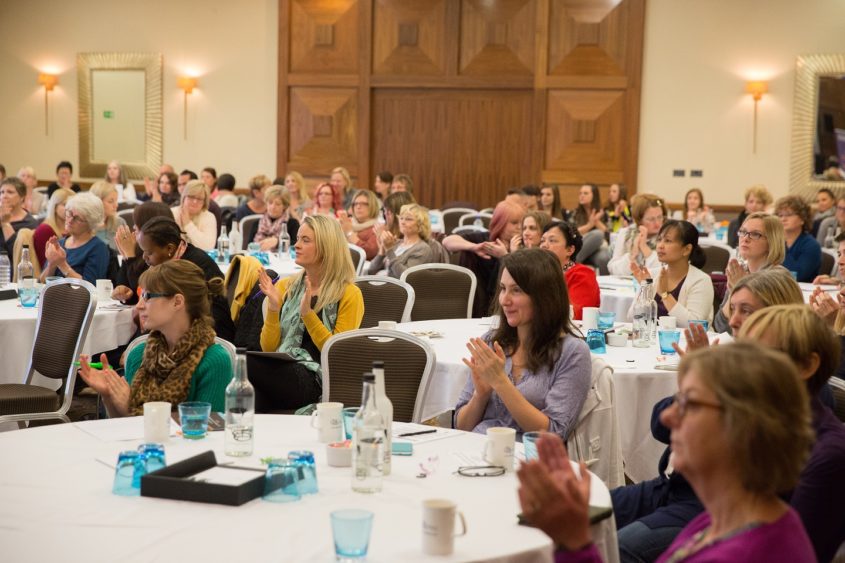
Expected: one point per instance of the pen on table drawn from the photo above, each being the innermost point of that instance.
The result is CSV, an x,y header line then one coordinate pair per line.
x,y
416,433
95,365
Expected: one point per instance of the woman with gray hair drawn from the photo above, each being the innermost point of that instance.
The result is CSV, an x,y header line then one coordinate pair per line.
x,y
81,254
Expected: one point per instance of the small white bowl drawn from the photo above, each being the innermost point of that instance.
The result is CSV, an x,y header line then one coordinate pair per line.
x,y
339,454
619,340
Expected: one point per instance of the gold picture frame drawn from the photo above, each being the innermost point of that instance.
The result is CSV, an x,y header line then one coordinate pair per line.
x,y
808,70
151,64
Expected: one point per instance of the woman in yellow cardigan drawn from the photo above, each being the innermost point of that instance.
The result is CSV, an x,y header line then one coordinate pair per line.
x,y
302,312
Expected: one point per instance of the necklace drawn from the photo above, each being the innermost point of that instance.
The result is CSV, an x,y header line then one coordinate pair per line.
x,y
568,265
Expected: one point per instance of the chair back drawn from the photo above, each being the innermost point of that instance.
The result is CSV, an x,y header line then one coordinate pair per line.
x,y
228,346
717,259
837,385
442,291
468,229
595,439
827,267
358,258
249,228
470,218
24,239
128,216
408,364
385,299
451,218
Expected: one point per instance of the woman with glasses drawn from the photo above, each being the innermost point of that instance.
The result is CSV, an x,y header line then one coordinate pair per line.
x,y
179,361
412,248
637,242
13,215
532,372
359,229
53,224
275,219
193,216
682,290
757,199
803,253
80,254
326,201
111,220
741,438
761,247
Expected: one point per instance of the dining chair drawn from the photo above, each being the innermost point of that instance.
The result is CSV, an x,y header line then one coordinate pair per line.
x,y
828,264
442,291
717,259
408,365
837,385
128,216
385,299
451,217
22,240
249,228
358,258
65,310
470,218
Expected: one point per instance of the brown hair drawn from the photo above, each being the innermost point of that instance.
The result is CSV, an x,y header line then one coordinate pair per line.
x,y
765,410
798,206
643,202
700,199
181,277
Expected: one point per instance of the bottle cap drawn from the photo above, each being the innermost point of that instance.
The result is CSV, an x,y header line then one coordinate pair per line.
x,y
378,364
369,377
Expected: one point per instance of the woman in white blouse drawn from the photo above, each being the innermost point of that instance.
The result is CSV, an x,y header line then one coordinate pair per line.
x,y
682,290
193,216
636,243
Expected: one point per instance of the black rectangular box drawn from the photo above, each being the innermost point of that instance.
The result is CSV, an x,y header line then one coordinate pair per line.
x,y
174,482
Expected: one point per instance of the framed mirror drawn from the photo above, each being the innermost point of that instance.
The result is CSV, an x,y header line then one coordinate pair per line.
x,y
120,113
818,125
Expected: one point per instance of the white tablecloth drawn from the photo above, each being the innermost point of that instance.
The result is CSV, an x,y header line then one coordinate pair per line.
x,y
56,503
638,387
284,267
109,329
617,295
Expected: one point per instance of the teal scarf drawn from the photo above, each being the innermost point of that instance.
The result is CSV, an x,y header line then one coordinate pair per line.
x,y
293,327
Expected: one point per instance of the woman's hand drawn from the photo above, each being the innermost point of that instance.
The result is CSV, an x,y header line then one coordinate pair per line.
x,y
121,293
486,364
104,381
305,304
696,338
387,240
641,242
825,280
825,306
663,282
640,273
345,221
495,248
553,498
734,272
125,242
5,213
268,244
596,217
54,252
274,298
516,242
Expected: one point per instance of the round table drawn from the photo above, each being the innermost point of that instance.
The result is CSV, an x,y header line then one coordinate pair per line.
x,y
57,503
285,267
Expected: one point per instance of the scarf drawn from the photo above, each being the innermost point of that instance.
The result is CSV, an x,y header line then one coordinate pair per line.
x,y
358,227
631,236
166,376
294,327
269,227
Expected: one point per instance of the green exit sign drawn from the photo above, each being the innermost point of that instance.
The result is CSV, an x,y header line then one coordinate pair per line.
x,y
108,114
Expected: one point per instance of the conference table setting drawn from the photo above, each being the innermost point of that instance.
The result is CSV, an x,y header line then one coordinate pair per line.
x,y
57,483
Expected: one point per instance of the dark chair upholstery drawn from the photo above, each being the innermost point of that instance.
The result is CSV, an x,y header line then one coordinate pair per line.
x,y
408,363
469,219
128,216
442,291
838,387
358,258
385,299
451,217
717,259
65,312
827,264
249,228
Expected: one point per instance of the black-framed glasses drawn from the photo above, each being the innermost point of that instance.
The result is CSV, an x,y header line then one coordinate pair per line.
x,y
147,295
684,403
750,235
481,471
785,214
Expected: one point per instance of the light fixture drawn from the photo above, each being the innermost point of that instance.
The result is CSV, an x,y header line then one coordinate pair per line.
x,y
49,82
187,85
756,88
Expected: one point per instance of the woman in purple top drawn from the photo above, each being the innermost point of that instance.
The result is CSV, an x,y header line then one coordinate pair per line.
x,y
740,439
532,372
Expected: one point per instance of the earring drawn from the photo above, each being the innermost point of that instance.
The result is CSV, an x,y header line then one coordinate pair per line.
x,y
170,255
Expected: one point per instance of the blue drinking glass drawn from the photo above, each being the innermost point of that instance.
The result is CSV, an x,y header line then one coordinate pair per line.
x,y
606,320
153,456
306,471
529,445
666,337
702,323
28,296
128,462
194,419
596,341
351,531
348,415
281,482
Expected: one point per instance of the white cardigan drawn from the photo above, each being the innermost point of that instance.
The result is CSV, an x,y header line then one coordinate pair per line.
x,y
620,261
695,301
202,231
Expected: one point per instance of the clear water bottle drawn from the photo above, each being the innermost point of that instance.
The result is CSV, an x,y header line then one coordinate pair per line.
x,y
385,407
644,315
478,222
5,269
240,411
284,242
368,437
26,273
235,238
223,246
830,237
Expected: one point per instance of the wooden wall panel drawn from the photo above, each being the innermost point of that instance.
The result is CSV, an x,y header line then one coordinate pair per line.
x,y
497,38
408,37
458,145
323,36
589,38
323,124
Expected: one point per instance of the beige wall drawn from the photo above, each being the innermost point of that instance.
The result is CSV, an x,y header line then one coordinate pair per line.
x,y
230,45
695,114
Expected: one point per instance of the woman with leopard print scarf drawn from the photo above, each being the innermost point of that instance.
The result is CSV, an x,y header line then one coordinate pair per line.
x,y
179,361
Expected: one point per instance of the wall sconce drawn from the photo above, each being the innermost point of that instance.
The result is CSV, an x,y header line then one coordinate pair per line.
x,y
187,85
49,82
756,88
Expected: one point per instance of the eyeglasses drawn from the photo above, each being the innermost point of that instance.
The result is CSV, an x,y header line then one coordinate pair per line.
x,y
785,214
658,219
147,295
840,208
195,198
361,204
750,235
684,403
71,218
481,471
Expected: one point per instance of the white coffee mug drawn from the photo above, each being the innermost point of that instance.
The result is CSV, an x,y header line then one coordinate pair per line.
x,y
498,450
156,422
387,325
667,322
439,526
104,289
329,422
589,318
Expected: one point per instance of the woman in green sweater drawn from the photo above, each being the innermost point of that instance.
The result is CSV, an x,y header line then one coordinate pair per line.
x,y
179,361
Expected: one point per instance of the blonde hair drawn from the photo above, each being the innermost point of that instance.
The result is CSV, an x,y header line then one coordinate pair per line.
x,y
346,178
103,189
799,332
760,192
643,202
420,214
299,181
59,197
121,177
765,411
774,237
774,286
372,202
258,183
277,192
195,188
336,269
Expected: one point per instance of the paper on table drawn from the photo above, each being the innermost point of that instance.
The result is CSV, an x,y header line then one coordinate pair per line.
x,y
118,429
407,427
222,475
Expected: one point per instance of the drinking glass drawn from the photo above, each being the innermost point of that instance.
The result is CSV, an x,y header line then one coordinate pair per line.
x,y
194,419
529,444
596,341
348,420
351,531
128,462
307,471
28,296
606,320
153,455
703,323
281,482
666,338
